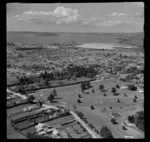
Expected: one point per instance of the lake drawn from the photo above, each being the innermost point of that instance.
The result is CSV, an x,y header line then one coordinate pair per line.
x,y
22,37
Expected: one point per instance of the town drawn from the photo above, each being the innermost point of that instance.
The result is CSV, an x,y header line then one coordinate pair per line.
x,y
52,95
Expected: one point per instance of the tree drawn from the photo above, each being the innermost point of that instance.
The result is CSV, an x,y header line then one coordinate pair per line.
x,y
54,92
131,118
101,87
92,107
118,101
51,97
117,86
132,87
82,87
105,94
110,107
113,90
105,132
30,99
79,96
79,101
124,128
116,94
137,119
113,120
21,89
74,106
125,95
87,84
46,82
36,136
93,91
40,102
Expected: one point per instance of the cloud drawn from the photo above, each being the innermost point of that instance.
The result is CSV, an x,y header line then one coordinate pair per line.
x,y
117,14
62,15
58,16
140,4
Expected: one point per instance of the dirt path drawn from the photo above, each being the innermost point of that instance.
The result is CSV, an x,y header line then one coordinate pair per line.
x,y
94,135
17,94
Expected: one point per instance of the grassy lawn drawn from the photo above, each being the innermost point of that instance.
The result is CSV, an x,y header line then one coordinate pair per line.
x,y
68,96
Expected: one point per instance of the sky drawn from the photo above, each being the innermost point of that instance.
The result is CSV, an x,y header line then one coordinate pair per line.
x,y
76,17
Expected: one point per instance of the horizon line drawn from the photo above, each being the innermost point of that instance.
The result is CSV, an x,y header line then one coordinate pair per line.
x,y
76,32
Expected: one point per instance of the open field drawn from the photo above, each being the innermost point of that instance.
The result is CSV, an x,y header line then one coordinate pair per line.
x,y
98,117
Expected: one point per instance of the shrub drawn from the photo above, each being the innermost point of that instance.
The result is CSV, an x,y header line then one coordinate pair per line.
x,y
79,96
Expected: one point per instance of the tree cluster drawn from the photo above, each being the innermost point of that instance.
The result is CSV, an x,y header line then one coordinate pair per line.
x,y
137,119
105,132
132,87
42,80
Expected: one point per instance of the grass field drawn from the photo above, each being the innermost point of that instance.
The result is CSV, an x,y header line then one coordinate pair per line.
x,y
99,117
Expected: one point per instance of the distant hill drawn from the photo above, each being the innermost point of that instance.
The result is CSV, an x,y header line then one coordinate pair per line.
x,y
35,33
136,39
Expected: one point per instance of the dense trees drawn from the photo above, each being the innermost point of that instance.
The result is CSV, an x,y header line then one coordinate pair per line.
x,y
44,78
137,119
36,136
105,132
80,71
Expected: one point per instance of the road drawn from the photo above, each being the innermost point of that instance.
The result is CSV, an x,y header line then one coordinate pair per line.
x,y
17,94
94,135
24,97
